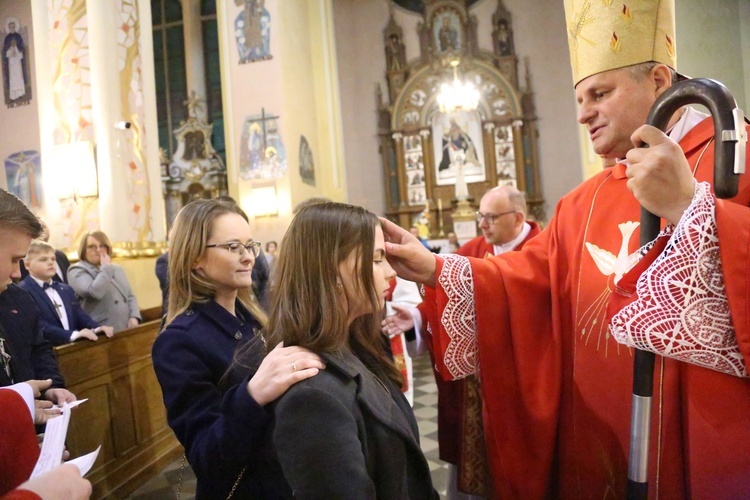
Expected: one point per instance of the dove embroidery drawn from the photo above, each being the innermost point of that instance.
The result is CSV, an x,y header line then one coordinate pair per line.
x,y
607,263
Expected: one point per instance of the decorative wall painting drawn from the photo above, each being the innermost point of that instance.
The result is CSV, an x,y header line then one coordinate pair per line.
x,y
457,142
252,31
306,163
23,172
15,57
262,152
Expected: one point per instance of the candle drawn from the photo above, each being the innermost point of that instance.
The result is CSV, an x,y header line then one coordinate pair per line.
x,y
440,205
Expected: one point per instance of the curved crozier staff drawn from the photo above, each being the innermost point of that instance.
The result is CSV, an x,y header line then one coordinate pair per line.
x,y
729,162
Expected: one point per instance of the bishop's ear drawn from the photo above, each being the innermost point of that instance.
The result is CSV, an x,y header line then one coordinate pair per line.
x,y
662,77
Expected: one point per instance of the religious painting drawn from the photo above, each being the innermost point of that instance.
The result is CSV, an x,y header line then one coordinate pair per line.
x,y
414,160
447,32
16,74
306,164
505,157
23,173
262,152
252,31
457,143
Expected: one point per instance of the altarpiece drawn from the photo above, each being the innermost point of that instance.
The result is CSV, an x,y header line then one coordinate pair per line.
x,y
423,148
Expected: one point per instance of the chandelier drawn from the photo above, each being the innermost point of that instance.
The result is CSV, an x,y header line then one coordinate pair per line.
x,y
458,95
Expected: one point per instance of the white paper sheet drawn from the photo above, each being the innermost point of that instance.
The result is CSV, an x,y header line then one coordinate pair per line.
x,y
53,445
85,462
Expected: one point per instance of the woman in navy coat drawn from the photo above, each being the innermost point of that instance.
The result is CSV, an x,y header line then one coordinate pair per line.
x,y
349,432
221,420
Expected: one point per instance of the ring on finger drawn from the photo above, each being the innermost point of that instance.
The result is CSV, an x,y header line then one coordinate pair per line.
x,y
294,366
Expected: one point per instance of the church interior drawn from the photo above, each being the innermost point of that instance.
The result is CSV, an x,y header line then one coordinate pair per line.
x,y
117,113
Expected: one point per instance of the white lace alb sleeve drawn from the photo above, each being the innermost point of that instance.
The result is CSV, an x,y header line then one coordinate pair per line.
x,y
459,317
682,310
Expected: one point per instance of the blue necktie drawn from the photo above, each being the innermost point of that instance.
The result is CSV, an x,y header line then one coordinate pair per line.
x,y
52,285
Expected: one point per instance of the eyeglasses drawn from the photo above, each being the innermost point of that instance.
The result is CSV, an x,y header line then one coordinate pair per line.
x,y
238,248
97,247
491,218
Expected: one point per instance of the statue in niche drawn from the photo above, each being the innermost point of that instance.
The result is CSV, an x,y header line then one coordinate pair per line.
x,y
447,34
395,53
504,39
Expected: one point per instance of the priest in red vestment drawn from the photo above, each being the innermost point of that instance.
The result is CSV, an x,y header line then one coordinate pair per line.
x,y
533,324
502,220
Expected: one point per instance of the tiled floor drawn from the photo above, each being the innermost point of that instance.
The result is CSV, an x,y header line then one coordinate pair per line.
x,y
164,486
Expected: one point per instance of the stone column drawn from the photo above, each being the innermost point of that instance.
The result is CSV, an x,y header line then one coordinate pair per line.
x,y
129,188
194,63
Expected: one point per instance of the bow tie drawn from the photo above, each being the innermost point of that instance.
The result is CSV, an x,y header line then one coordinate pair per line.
x,y
52,285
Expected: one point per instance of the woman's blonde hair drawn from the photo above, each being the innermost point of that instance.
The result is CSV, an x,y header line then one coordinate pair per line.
x,y
192,230
306,297
97,235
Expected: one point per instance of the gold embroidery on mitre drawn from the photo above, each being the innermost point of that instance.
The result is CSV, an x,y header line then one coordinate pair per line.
x,y
670,45
610,265
626,15
639,29
580,20
614,43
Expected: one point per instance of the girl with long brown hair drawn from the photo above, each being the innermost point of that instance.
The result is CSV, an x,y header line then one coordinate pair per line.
x,y
222,421
348,432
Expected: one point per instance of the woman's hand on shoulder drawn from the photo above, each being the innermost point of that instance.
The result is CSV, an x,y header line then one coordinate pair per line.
x,y
280,369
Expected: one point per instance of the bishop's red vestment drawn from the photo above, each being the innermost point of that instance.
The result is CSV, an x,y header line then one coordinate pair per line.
x,y
557,388
460,434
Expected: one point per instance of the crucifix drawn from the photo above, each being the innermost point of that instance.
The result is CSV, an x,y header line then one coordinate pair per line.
x,y
57,308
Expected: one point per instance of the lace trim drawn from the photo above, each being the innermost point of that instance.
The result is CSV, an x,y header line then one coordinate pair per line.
x,y
682,310
459,317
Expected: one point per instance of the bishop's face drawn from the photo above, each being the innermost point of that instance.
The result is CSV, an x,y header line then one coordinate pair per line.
x,y
612,105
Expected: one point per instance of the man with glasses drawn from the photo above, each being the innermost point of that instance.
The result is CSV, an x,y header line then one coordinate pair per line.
x,y
502,219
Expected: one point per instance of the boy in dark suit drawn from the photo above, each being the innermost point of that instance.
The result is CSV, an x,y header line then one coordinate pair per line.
x,y
61,317
61,260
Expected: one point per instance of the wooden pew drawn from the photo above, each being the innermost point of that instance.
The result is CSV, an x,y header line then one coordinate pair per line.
x,y
125,412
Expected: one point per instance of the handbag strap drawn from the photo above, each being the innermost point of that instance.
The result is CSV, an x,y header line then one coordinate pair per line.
x,y
236,483
231,492
179,482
